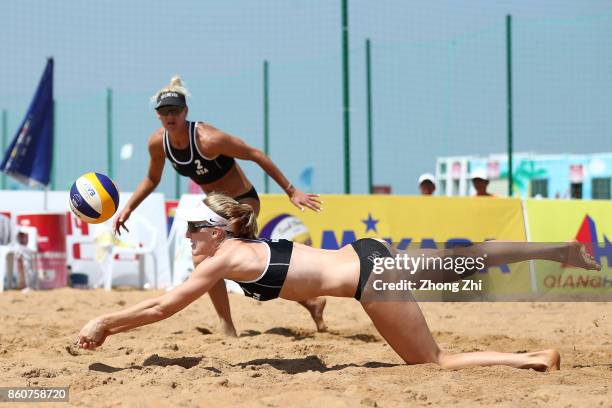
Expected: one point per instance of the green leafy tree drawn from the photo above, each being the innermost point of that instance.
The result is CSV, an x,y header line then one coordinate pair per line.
x,y
523,174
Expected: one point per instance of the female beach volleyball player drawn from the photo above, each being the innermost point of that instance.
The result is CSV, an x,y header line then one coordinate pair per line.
x,y
223,231
207,156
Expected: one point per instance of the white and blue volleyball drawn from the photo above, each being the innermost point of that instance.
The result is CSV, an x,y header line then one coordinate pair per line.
x,y
94,198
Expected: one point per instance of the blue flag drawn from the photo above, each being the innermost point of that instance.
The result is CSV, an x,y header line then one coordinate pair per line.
x,y
28,158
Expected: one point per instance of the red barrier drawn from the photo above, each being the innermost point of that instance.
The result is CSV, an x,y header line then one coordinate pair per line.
x,y
51,244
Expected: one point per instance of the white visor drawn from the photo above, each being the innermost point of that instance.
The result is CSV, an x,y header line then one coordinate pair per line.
x,y
202,213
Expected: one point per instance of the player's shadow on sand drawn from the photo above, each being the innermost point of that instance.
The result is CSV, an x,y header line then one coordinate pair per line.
x,y
154,360
298,334
592,365
310,363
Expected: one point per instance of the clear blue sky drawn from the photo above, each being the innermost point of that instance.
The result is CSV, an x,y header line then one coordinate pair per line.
x,y
438,78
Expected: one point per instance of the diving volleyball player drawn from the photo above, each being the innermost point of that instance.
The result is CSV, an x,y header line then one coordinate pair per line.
x,y
223,232
207,156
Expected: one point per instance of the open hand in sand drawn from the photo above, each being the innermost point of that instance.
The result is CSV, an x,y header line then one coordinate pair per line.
x,y
92,335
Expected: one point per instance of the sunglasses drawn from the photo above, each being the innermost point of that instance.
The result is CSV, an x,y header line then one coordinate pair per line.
x,y
194,227
170,110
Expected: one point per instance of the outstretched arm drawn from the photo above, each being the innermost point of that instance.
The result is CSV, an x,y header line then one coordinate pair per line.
x,y
222,143
147,185
150,311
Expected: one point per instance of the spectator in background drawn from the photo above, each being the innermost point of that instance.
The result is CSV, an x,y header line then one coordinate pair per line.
x,y
480,181
5,230
25,259
427,184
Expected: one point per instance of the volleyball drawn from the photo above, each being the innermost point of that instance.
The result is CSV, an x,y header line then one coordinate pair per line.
x,y
94,198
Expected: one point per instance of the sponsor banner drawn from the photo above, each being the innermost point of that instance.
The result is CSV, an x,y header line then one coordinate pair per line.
x,y
170,213
427,222
586,221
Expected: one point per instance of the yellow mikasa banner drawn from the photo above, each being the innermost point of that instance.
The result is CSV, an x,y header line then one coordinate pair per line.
x,y
399,217
587,221
403,220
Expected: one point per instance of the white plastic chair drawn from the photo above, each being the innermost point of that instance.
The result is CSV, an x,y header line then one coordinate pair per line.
x,y
144,237
32,236
8,252
7,257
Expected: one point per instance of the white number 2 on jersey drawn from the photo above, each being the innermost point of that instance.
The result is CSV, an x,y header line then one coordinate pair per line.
x,y
200,170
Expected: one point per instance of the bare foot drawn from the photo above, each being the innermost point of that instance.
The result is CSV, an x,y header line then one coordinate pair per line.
x,y
579,256
545,360
227,328
316,306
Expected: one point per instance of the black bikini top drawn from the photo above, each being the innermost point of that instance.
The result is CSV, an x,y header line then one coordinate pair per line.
x,y
190,162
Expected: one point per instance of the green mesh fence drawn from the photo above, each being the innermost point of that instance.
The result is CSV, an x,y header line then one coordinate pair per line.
x,y
430,98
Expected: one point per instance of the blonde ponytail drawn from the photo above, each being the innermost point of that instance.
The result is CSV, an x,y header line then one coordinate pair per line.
x,y
241,217
176,85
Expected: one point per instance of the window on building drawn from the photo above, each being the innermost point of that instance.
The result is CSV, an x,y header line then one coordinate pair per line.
x,y
442,187
539,187
456,187
443,168
576,190
600,188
